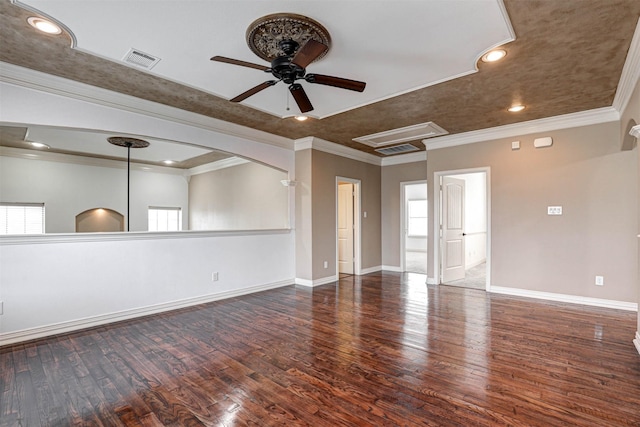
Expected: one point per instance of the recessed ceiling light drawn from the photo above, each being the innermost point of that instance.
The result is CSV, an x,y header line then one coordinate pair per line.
x,y
44,25
301,118
168,162
516,108
39,145
494,55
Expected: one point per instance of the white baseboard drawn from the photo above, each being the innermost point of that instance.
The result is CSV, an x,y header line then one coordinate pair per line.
x,y
431,281
475,264
393,268
87,322
371,269
316,282
636,342
574,299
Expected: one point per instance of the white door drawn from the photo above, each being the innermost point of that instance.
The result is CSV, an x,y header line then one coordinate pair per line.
x,y
452,229
345,228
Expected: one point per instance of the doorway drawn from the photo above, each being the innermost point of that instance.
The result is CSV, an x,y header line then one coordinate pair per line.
x,y
462,219
414,226
347,226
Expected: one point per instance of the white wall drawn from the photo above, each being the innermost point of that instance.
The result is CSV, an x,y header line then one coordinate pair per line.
x,y
68,189
57,283
249,196
49,286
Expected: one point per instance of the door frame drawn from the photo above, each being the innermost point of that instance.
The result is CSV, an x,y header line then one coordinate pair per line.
x,y
357,269
437,214
403,220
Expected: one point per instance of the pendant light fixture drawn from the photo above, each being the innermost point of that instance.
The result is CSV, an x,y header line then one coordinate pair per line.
x,y
125,141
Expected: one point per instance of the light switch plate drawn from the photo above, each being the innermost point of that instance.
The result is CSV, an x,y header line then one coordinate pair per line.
x,y
554,210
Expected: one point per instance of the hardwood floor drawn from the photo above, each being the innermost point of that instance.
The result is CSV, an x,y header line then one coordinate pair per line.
x,y
377,350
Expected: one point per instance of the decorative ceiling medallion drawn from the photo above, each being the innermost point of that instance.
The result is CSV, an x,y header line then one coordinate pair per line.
x,y
125,141
265,34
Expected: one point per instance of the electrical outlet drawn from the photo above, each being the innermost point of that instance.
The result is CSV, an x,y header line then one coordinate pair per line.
x,y
326,264
599,280
214,276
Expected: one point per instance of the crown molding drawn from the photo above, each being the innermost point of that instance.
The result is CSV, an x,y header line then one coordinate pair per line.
x,y
303,143
337,149
47,156
311,142
630,73
565,121
48,83
635,131
419,156
214,166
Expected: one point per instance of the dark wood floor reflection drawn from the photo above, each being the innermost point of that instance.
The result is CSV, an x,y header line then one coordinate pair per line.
x,y
377,350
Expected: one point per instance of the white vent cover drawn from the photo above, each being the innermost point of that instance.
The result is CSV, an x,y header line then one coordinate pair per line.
x,y
409,133
140,59
397,149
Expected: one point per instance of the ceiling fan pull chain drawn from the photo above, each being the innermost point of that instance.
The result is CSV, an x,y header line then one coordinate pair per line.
x,y
287,95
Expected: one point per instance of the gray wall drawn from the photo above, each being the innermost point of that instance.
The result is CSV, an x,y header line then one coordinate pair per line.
x,y
392,176
586,172
325,168
632,112
316,173
304,220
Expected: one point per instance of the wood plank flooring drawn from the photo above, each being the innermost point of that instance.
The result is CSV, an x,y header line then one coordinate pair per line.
x,y
377,350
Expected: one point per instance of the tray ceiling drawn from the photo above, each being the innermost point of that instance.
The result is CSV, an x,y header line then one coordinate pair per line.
x,y
419,59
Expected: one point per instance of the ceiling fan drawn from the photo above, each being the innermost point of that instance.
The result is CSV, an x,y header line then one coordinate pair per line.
x,y
290,67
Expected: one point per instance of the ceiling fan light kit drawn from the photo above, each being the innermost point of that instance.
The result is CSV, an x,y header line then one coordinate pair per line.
x,y
290,42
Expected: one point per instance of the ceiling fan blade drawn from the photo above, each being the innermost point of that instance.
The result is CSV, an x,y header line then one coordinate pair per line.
x,y
253,91
335,82
308,53
239,62
301,98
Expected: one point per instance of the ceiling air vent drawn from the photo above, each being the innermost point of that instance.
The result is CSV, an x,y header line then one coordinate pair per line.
x,y
140,59
397,149
409,133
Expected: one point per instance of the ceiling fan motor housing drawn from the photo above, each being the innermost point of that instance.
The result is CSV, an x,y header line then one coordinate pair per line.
x,y
284,70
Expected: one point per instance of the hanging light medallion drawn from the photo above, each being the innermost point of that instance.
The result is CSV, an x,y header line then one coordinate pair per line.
x,y
125,141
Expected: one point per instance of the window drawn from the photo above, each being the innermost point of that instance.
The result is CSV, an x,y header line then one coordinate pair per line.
x,y
21,218
165,219
418,224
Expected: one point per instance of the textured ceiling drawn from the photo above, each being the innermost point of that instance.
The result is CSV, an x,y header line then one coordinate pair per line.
x,y
430,31
567,57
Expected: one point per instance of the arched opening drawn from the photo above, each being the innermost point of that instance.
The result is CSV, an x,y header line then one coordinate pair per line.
x,y
99,220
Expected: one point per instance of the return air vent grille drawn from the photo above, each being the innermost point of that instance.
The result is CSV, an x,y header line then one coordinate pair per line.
x,y
396,136
397,149
140,59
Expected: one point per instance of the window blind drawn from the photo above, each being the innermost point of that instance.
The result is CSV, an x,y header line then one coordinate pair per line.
x,y
21,218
